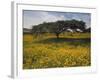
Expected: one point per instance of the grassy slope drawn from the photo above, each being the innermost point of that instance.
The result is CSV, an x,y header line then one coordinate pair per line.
x,y
46,51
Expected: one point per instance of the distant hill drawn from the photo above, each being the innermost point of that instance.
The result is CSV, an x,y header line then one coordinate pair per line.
x,y
27,31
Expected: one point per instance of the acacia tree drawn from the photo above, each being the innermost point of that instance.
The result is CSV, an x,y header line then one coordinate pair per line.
x,y
58,27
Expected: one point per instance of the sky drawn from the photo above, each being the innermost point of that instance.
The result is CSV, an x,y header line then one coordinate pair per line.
x,y
31,17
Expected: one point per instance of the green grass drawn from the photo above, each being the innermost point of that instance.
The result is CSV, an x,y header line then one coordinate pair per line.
x,y
46,51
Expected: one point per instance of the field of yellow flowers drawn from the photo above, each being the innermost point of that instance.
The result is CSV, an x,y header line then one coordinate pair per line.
x,y
46,51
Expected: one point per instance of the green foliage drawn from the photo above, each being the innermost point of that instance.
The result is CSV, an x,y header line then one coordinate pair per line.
x,y
58,27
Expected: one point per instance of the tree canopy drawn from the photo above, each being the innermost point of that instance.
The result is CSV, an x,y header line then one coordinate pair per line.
x,y
59,26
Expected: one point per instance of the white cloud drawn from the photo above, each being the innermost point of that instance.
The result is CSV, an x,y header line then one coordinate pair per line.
x,y
51,18
38,17
41,17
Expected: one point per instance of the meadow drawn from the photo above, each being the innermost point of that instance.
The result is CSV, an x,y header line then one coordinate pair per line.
x,y
46,51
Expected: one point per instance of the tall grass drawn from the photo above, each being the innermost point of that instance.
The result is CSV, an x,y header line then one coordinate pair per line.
x,y
45,51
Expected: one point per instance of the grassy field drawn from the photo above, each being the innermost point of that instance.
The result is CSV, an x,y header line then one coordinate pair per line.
x,y
46,51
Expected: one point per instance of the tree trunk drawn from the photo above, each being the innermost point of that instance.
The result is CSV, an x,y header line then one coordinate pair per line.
x,y
57,36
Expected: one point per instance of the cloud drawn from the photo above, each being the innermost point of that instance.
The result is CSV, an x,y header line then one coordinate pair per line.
x,y
38,17
34,18
47,17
